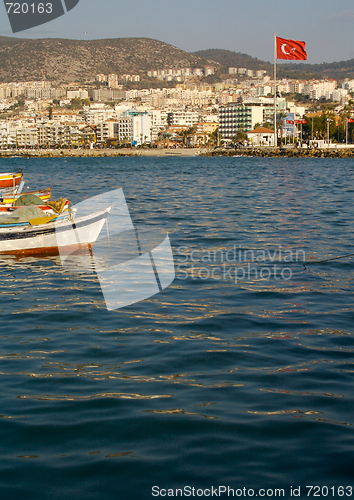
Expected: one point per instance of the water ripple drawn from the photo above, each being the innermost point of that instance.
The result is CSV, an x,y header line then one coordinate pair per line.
x,y
213,380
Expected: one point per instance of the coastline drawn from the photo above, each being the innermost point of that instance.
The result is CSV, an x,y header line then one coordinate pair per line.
x,y
97,153
334,152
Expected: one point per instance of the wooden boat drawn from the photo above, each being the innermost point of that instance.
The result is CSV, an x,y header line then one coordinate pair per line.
x,y
10,191
9,180
53,237
43,194
48,208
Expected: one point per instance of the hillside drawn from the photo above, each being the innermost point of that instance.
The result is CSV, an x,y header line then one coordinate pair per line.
x,y
63,60
227,58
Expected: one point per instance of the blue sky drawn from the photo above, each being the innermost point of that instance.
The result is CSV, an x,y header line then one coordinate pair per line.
x,y
243,26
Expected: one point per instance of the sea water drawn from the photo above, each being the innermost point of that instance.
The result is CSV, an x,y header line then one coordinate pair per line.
x,y
238,377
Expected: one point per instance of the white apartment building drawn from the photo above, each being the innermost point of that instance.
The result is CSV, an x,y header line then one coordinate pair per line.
x,y
130,78
98,113
8,131
77,94
339,95
141,125
159,117
237,117
297,87
26,137
349,85
4,134
209,70
183,117
101,77
66,117
112,80
107,130
135,128
110,94
333,95
264,90
44,93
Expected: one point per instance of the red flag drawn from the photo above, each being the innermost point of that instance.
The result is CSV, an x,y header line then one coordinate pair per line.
x,y
291,49
350,120
289,122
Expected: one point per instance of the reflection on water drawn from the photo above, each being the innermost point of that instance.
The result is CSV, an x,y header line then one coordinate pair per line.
x,y
207,382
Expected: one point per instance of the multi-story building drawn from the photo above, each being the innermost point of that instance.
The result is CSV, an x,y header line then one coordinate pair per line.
x,y
43,93
203,131
107,130
183,117
125,129
135,127
98,113
78,93
110,94
235,117
112,80
26,137
101,78
209,70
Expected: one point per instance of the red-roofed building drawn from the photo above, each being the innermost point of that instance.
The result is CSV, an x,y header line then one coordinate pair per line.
x,y
261,136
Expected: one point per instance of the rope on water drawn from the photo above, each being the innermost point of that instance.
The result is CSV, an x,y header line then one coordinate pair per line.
x,y
308,263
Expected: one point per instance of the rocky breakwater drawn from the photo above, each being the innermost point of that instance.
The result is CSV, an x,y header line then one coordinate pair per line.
x,y
59,153
94,153
284,152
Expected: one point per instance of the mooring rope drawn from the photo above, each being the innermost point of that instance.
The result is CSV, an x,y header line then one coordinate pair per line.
x,y
308,263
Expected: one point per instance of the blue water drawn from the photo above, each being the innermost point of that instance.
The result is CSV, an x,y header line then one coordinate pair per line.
x,y
209,383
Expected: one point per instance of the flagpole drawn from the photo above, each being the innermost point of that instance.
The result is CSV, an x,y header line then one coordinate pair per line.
x,y
275,90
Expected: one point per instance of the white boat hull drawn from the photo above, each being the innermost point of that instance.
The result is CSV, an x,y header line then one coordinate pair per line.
x,y
56,237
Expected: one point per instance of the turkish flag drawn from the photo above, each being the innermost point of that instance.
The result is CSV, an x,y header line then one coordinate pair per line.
x,y
291,49
350,120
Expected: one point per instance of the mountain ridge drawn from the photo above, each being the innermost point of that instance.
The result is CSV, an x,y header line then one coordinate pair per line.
x,y
62,60
298,70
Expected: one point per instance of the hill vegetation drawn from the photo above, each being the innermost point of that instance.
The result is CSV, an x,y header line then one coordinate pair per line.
x,y
62,60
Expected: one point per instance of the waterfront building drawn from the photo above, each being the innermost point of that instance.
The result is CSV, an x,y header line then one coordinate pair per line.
x,y
107,130
135,127
261,136
26,137
242,117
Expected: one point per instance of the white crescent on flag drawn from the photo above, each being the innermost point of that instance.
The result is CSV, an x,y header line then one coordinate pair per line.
x,y
283,49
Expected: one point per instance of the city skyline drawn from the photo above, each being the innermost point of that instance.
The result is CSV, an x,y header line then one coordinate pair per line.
x,y
233,25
